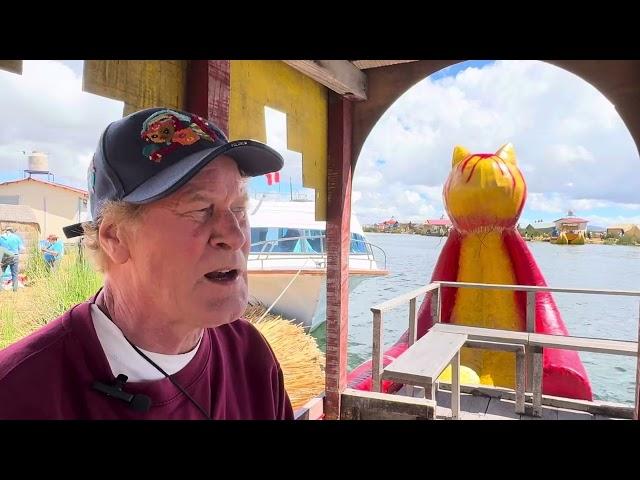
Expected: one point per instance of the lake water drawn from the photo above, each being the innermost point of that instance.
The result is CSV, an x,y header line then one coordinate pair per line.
x,y
411,258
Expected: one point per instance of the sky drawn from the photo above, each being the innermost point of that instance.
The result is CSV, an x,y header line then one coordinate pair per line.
x,y
572,146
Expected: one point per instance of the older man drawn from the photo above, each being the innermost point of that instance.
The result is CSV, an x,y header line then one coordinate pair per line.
x,y
163,338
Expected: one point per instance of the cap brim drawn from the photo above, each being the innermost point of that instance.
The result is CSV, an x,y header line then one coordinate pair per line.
x,y
253,159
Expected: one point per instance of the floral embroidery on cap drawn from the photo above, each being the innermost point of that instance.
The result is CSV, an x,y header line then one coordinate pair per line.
x,y
166,130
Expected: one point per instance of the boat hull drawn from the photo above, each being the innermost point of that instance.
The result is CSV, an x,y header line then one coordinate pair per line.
x,y
301,300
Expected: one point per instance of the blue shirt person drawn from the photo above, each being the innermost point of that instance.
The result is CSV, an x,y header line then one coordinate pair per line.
x,y
14,244
11,241
53,250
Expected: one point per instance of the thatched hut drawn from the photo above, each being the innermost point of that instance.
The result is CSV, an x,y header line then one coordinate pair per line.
x,y
24,222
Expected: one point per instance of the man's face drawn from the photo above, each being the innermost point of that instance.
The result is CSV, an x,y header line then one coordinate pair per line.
x,y
188,254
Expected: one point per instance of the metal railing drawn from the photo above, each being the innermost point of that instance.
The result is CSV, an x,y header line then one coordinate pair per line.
x,y
436,313
267,253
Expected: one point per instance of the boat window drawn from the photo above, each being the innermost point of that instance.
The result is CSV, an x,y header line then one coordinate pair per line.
x,y
294,246
315,240
258,235
358,244
263,234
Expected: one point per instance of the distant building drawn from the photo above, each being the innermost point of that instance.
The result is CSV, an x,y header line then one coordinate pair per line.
x,y
439,226
25,225
22,219
627,229
387,224
571,223
540,228
54,205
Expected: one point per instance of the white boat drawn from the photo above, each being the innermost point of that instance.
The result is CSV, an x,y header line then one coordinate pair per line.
x,y
287,263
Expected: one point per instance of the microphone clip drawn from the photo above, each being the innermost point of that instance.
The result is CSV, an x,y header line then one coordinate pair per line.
x,y
138,402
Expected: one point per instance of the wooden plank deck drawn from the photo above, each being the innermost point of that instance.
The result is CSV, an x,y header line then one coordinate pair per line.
x,y
483,407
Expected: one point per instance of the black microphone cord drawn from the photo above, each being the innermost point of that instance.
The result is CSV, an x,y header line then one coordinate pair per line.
x,y
177,385
182,390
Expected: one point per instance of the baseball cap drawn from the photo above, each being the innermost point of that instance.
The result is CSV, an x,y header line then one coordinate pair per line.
x,y
151,153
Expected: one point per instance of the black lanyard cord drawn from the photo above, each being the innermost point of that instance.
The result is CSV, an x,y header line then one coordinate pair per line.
x,y
177,385
182,390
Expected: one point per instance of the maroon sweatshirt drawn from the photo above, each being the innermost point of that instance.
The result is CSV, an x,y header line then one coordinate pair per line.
x,y
49,375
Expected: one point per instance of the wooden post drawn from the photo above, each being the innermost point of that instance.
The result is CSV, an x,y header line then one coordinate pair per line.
x,y
531,328
537,381
208,85
436,299
637,412
338,244
412,322
455,387
376,352
520,380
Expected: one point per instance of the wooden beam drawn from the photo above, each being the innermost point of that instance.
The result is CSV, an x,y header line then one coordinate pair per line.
x,y
532,288
364,64
312,410
582,344
208,87
596,407
338,245
404,298
359,405
13,66
341,76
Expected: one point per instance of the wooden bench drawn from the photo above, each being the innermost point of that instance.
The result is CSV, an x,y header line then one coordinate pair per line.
x,y
539,341
484,334
423,362
535,343
519,350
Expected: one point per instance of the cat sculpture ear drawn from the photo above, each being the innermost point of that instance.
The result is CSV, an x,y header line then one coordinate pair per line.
x,y
459,154
507,153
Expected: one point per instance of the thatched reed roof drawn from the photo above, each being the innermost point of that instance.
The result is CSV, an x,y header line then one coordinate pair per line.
x,y
17,214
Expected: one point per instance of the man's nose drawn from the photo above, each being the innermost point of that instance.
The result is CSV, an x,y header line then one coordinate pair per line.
x,y
228,233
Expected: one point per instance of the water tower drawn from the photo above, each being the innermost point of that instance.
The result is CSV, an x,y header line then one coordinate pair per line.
x,y
39,165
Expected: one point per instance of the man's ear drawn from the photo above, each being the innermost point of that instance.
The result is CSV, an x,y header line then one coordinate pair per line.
x,y
113,240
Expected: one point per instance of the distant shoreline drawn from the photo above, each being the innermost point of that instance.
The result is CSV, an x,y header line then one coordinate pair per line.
x,y
587,241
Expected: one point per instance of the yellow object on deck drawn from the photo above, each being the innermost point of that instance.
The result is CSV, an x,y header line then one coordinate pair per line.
x,y
467,376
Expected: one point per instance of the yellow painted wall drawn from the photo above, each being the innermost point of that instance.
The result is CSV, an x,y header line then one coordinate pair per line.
x,y
139,83
272,83
254,85
61,204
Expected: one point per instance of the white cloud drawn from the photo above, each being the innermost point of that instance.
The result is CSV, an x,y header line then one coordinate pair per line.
x,y
606,221
413,203
570,142
570,154
572,146
45,109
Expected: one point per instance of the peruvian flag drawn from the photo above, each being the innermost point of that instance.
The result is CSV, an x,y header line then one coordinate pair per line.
x,y
273,177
